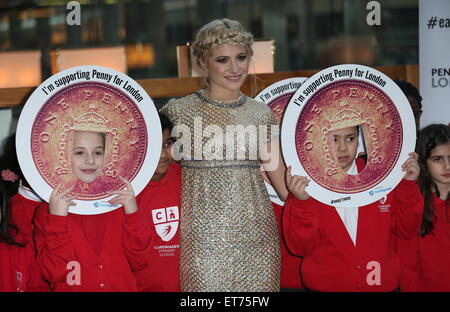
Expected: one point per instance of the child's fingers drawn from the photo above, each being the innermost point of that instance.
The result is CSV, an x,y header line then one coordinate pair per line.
x,y
114,202
407,163
411,165
297,185
296,181
300,183
118,202
288,174
119,199
127,183
64,193
303,183
56,189
414,155
120,192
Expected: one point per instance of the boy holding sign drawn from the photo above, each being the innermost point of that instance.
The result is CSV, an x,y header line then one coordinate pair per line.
x,y
351,249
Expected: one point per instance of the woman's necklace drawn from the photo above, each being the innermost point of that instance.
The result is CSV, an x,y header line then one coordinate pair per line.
x,y
221,103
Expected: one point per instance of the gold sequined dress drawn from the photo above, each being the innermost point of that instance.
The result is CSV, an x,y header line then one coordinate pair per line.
x,y
229,235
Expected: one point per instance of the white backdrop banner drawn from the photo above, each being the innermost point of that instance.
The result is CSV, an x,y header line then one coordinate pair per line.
x,y
434,60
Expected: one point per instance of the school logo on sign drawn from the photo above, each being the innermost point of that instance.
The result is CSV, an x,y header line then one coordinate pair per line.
x,y
166,221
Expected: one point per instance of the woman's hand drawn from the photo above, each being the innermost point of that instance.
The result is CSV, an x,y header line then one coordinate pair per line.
x,y
59,202
125,197
297,184
411,166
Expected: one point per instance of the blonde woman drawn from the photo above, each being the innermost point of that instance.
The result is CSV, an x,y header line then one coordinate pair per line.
x,y
229,238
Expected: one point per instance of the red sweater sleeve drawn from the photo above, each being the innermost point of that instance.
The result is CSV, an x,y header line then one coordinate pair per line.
x,y
35,281
53,244
408,252
22,215
300,225
407,209
136,239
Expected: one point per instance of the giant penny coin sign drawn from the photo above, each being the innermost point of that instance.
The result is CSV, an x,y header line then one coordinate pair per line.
x,y
88,104
340,97
277,97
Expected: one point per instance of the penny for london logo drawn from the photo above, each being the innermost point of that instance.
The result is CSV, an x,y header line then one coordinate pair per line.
x,y
166,222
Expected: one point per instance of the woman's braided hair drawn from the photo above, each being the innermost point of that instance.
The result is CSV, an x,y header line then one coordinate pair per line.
x,y
218,32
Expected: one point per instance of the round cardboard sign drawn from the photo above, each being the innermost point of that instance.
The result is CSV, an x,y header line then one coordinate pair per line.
x,y
277,97
341,97
86,127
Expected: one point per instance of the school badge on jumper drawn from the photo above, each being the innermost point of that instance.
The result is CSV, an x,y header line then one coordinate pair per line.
x,y
166,221
337,98
87,105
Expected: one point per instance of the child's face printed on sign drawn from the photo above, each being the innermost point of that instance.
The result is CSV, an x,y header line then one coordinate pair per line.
x,y
345,146
88,155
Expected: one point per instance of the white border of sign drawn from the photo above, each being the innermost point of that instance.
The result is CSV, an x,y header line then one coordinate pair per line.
x,y
288,130
268,95
34,104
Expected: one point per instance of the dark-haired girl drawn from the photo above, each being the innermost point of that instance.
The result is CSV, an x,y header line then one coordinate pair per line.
x,y
23,201
426,258
18,270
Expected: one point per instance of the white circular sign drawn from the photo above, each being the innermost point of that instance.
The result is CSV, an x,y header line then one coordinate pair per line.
x,y
80,109
336,98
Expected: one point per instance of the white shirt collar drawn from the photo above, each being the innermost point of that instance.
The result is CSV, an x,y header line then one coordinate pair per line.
x,y
29,193
353,170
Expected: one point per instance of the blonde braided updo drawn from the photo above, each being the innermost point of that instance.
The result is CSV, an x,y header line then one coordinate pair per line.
x,y
217,32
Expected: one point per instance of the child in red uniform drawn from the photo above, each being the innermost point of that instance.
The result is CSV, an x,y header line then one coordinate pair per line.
x,y
290,264
91,252
426,258
161,200
22,199
18,270
351,249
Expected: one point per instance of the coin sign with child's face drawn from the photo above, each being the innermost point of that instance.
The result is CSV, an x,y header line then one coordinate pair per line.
x,y
70,115
88,127
321,125
339,105
277,97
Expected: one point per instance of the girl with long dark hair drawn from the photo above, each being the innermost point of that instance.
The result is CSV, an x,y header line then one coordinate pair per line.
x,y
425,259
18,269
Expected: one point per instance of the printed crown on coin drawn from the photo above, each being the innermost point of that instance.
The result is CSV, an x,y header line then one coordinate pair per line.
x,y
346,118
91,121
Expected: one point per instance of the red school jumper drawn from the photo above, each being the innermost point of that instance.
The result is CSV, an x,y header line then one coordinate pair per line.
x,y
91,252
22,211
426,261
18,269
290,264
161,200
331,261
